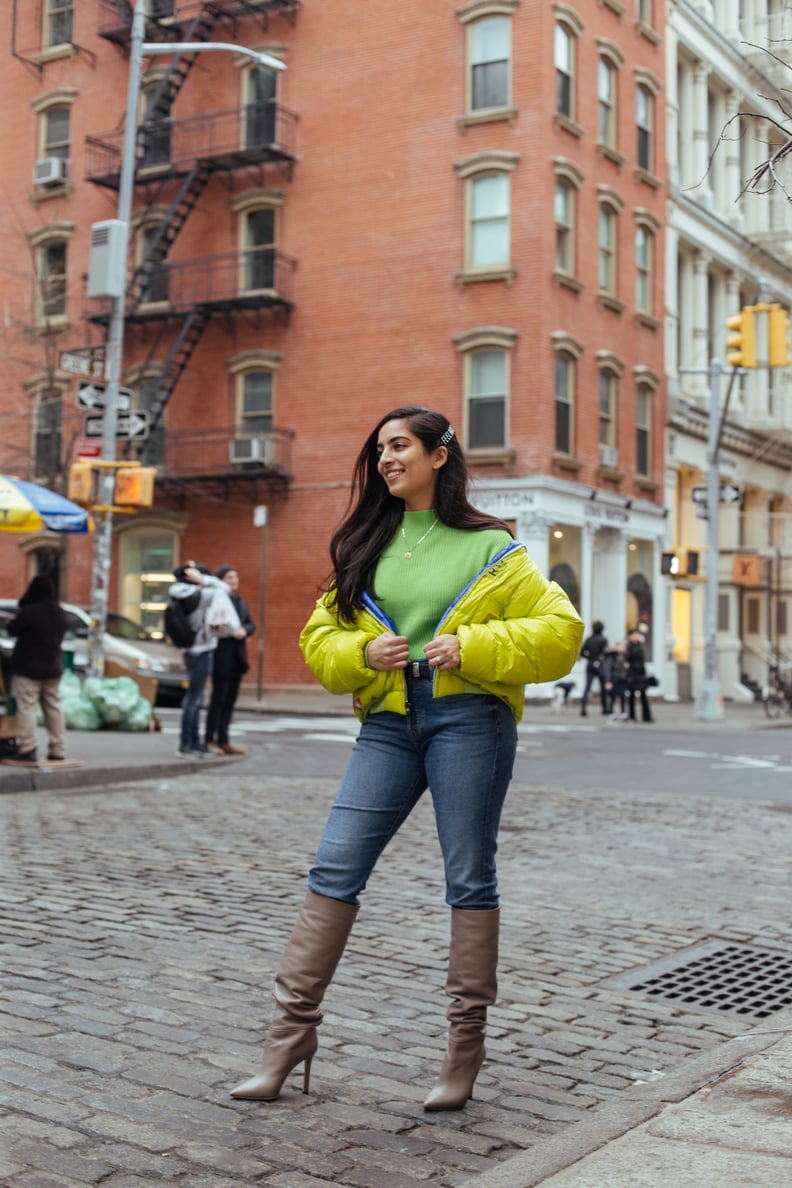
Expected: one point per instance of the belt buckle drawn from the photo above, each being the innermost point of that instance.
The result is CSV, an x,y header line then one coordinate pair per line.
x,y
416,668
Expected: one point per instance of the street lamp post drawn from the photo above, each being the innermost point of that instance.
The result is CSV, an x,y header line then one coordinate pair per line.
x,y
115,335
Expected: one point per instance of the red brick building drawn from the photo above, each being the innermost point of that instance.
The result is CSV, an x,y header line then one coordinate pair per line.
x,y
454,205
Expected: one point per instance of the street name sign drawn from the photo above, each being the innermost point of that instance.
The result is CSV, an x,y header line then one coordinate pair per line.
x,y
87,447
92,396
727,493
130,425
88,361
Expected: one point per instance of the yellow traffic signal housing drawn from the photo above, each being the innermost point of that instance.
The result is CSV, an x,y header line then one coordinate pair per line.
x,y
777,333
742,339
134,486
81,483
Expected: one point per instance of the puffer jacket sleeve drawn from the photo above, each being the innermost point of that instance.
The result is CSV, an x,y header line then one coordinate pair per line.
x,y
536,638
335,652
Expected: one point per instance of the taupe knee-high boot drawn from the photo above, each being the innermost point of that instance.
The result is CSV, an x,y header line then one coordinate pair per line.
x,y
309,961
472,985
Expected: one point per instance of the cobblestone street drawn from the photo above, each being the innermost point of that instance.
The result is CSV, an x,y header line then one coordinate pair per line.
x,y
142,925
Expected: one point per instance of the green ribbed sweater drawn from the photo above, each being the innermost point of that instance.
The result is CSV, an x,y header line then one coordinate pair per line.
x,y
415,593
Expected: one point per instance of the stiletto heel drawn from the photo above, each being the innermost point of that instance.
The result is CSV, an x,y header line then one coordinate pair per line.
x,y
307,1073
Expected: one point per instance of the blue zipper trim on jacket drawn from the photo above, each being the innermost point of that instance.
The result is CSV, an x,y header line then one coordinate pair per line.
x,y
378,614
509,548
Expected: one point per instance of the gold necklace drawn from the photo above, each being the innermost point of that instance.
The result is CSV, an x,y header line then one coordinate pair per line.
x,y
409,551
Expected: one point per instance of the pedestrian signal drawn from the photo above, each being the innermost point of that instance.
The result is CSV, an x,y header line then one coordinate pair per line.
x,y
134,486
778,336
81,483
741,342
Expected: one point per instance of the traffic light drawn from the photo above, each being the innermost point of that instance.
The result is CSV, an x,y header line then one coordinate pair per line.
x,y
81,483
741,342
669,564
682,564
134,486
692,564
777,332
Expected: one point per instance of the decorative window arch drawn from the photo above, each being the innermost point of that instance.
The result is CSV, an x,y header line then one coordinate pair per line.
x,y
258,235
487,243
50,248
486,360
567,350
488,56
253,375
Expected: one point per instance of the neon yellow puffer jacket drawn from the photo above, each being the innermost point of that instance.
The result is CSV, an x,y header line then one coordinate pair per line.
x,y
514,628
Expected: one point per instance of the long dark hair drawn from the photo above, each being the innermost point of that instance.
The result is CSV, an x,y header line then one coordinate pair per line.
x,y
373,514
40,589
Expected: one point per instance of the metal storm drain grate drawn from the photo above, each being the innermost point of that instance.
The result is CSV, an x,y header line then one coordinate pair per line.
x,y
717,976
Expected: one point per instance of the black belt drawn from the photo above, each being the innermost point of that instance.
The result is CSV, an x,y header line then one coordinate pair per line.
x,y
419,670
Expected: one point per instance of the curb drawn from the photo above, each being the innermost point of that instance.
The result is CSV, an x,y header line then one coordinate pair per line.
x,y
46,779
631,1109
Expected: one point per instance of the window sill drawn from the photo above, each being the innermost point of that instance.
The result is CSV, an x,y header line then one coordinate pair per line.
x,y
611,154
472,277
645,319
648,179
568,125
609,475
646,484
606,301
45,193
488,115
54,53
565,280
54,324
566,462
490,456
644,30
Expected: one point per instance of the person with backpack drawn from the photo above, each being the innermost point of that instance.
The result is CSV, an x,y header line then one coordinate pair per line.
x,y
593,652
189,599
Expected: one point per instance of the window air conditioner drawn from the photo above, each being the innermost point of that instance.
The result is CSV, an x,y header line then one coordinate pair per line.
x,y
609,455
49,171
250,449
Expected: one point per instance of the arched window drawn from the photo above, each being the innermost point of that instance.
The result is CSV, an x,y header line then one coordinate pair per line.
x,y
568,350
606,102
607,242
489,63
486,382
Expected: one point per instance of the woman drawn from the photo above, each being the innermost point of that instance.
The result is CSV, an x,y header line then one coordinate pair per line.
x,y
637,676
434,620
39,628
229,665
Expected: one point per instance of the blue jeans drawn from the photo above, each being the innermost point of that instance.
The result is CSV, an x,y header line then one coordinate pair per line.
x,y
198,667
462,748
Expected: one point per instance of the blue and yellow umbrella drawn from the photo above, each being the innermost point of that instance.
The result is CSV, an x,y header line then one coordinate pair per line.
x,y
27,507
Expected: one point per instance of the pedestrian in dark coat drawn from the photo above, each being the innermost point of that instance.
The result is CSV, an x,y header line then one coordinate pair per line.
x,y
615,675
39,628
593,652
637,676
230,665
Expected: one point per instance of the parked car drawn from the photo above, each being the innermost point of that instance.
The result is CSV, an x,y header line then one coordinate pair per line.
x,y
125,642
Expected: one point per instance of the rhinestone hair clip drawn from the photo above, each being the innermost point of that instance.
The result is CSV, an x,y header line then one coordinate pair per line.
x,y
446,437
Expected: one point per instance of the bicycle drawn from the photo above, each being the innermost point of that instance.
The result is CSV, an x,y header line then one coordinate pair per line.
x,y
777,695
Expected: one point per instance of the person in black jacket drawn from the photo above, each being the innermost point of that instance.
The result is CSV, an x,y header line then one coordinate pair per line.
x,y
39,627
593,652
230,665
637,676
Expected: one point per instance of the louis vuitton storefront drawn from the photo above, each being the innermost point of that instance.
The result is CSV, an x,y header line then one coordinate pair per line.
x,y
603,548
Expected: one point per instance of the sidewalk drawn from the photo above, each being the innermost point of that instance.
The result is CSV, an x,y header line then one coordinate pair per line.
x,y
721,1120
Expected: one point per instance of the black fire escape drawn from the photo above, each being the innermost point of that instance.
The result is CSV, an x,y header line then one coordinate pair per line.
x,y
182,296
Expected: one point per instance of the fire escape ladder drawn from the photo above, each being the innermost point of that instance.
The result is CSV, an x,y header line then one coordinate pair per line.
x,y
163,98
178,357
190,191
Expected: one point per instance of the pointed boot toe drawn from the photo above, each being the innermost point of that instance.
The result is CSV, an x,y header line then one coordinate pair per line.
x,y
284,1049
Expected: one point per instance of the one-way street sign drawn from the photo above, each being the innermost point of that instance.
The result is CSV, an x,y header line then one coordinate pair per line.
x,y
92,396
727,493
134,424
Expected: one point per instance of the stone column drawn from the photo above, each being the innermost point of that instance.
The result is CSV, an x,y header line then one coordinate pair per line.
x,y
700,319
701,136
733,179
